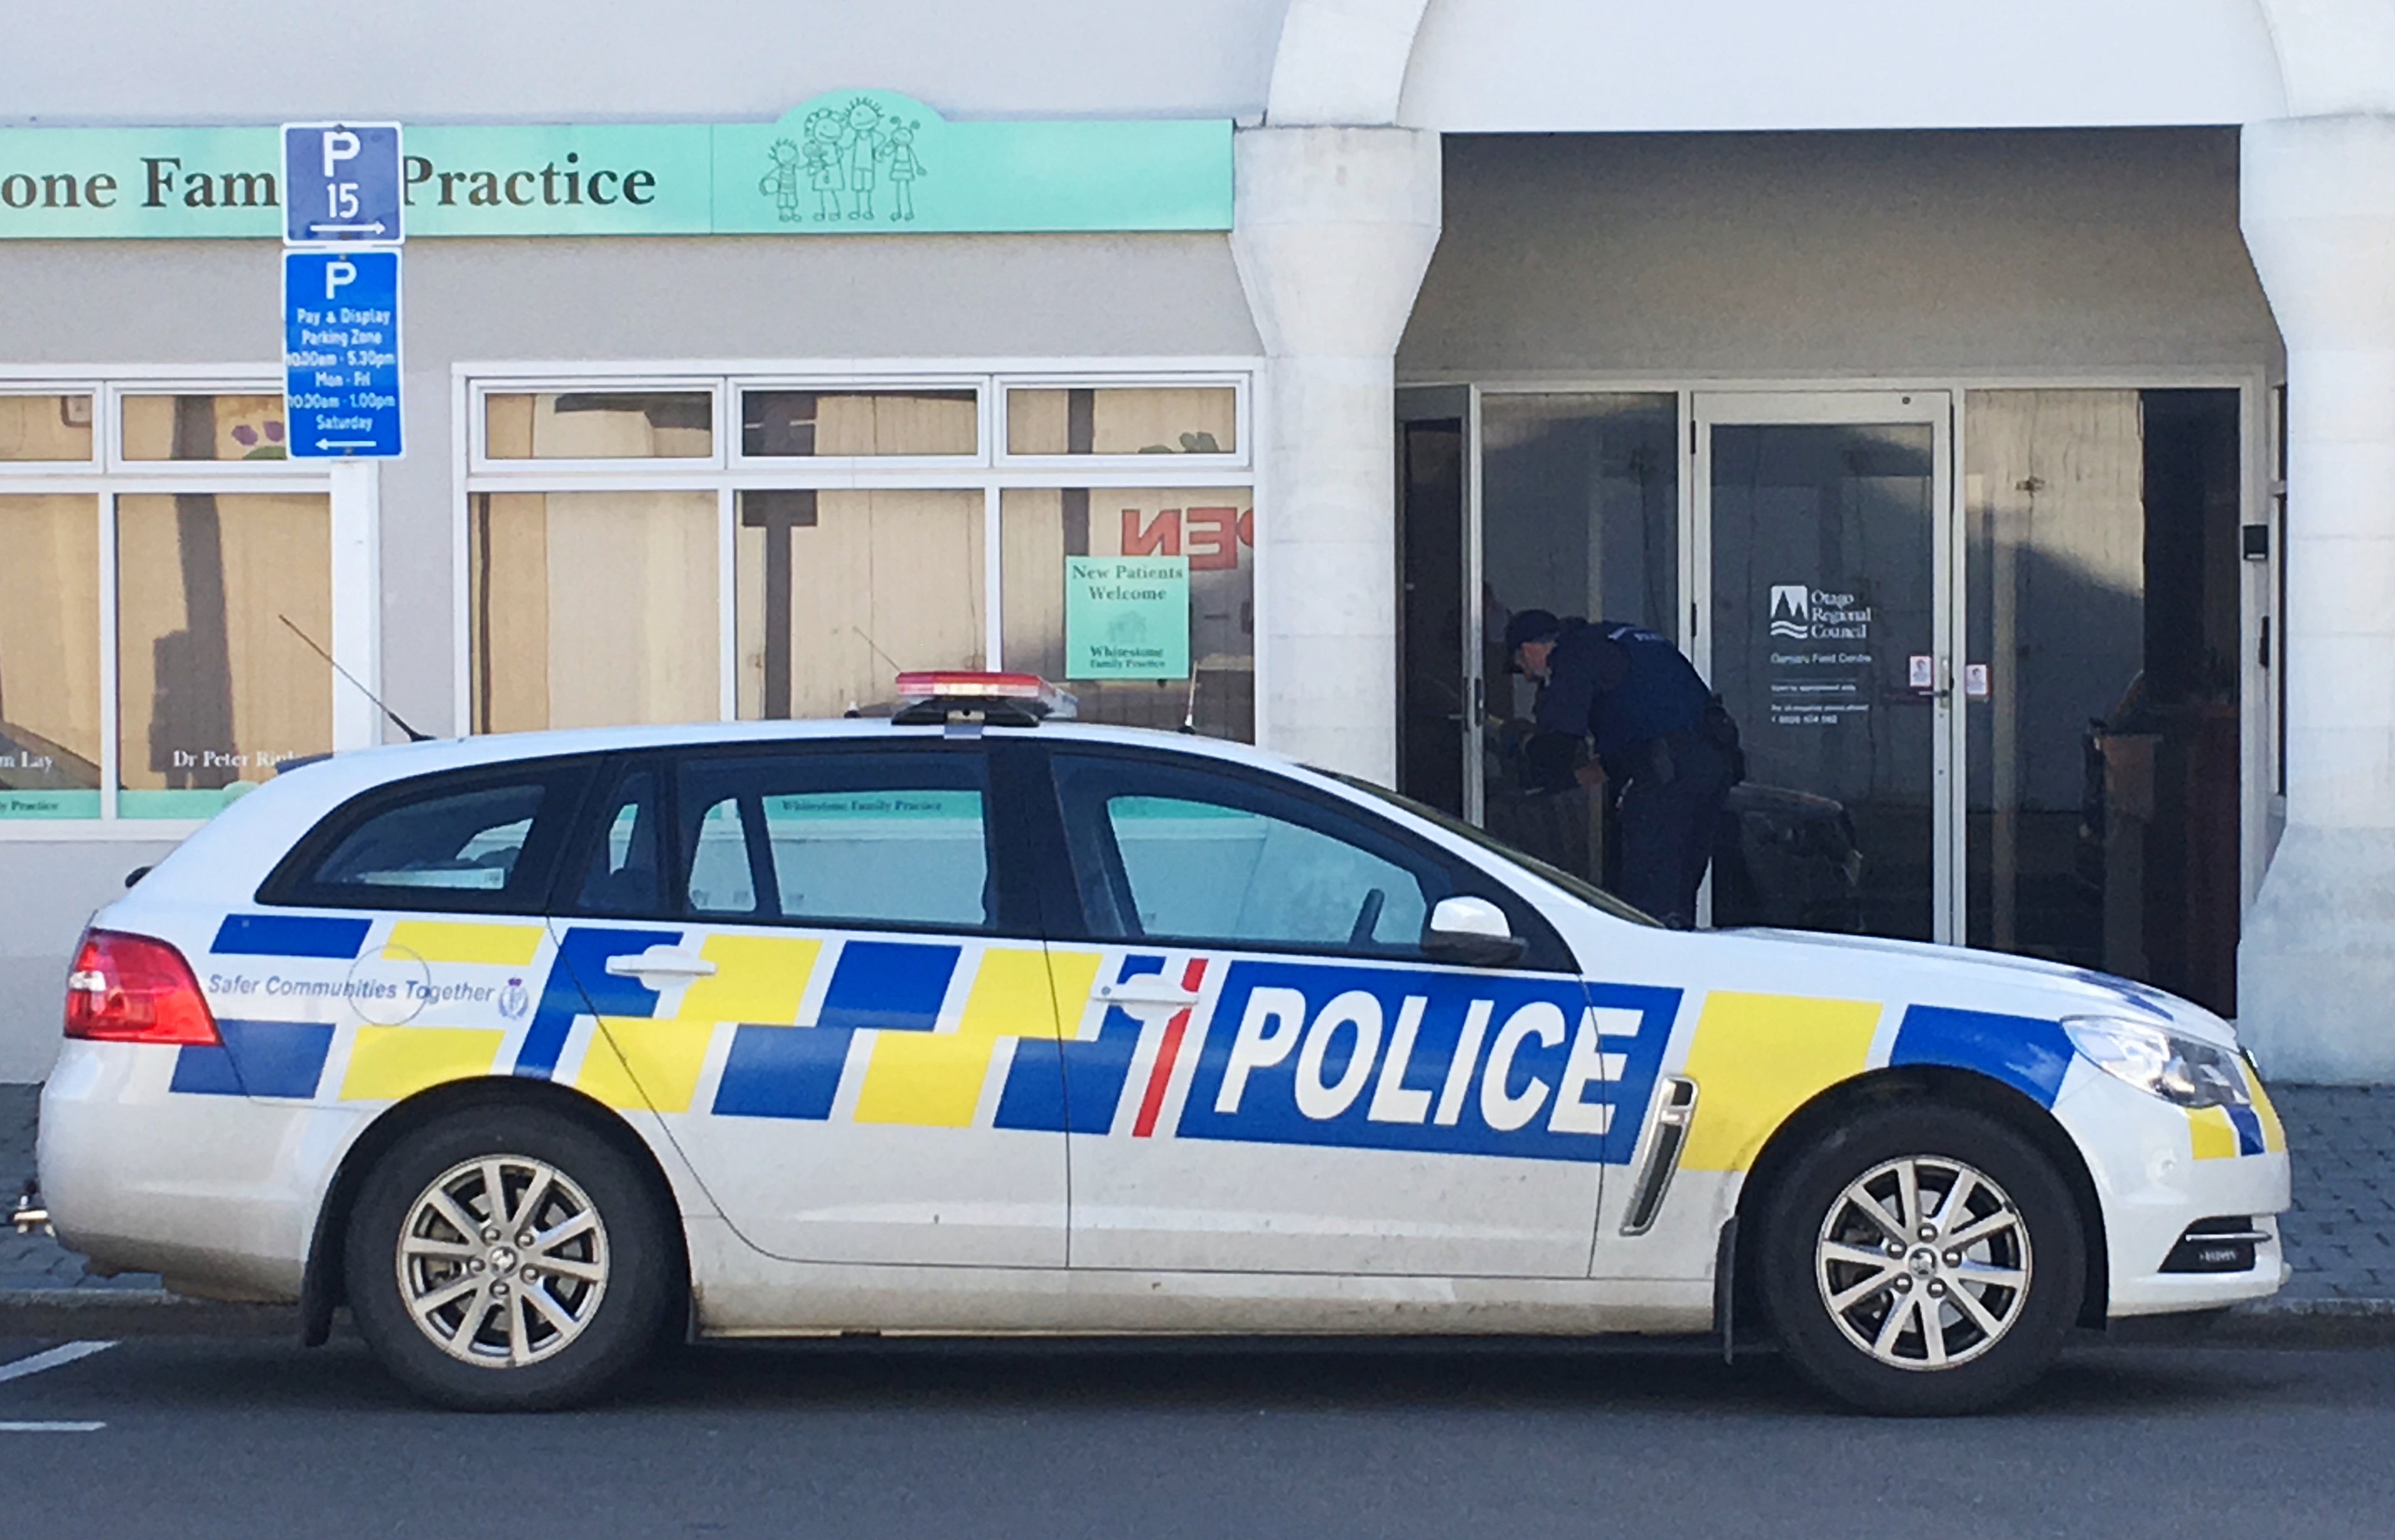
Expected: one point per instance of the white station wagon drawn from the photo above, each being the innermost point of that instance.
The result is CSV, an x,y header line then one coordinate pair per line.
x,y
536,1051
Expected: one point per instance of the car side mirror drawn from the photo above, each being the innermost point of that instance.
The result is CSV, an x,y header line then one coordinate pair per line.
x,y
1470,930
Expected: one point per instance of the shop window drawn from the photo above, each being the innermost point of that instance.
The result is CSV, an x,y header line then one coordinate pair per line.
x,y
45,428
1141,599
2102,681
839,591
823,424
870,557
1580,517
213,689
1123,420
203,427
49,655
593,609
599,424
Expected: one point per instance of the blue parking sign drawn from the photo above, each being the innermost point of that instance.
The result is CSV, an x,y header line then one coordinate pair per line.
x,y
340,353
341,184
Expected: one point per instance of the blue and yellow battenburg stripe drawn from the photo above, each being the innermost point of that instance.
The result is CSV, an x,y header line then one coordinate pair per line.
x,y
955,1034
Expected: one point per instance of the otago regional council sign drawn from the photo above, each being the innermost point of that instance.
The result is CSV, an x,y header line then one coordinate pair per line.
x,y
844,164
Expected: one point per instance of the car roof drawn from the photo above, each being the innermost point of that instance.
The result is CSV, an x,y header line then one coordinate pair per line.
x,y
397,761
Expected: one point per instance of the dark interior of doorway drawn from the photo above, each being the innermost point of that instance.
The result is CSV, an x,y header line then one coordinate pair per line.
x,y
1433,710
2105,564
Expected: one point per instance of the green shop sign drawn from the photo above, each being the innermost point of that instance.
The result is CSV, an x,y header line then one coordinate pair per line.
x,y
844,164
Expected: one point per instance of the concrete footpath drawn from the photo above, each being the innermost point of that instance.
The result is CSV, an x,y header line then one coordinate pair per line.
x,y
2340,1235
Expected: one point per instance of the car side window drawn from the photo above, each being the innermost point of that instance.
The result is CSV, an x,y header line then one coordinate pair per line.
x,y
624,876
477,841
1170,853
890,839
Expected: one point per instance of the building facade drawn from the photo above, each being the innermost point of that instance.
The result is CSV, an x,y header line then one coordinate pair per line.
x,y
1998,402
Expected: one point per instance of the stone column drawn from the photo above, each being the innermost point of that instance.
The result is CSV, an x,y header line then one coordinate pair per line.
x,y
2316,969
1333,228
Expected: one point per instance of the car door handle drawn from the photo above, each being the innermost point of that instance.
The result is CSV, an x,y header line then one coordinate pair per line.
x,y
1149,990
663,961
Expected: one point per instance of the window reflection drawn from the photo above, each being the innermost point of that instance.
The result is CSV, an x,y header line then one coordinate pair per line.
x,y
800,423
593,608
50,657
2101,681
841,591
215,689
1123,420
599,424
45,428
1579,516
203,427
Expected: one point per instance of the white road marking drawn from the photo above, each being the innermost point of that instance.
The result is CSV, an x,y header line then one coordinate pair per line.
x,y
53,1359
52,1426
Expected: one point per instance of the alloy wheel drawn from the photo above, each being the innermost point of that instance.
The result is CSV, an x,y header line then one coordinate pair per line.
x,y
503,1261
1923,1262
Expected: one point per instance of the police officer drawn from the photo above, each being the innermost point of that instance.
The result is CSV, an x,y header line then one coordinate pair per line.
x,y
1664,737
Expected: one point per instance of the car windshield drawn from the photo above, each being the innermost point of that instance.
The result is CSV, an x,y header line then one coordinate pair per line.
x,y
1578,888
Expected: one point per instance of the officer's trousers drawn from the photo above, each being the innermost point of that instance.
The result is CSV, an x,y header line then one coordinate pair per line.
x,y
1667,830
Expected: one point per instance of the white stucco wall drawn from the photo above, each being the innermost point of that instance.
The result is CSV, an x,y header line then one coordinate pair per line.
x,y
157,61
1560,65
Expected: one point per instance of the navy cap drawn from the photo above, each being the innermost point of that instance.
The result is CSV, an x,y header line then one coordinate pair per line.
x,y
1529,625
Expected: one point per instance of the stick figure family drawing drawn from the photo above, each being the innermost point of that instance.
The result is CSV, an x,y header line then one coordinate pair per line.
x,y
846,149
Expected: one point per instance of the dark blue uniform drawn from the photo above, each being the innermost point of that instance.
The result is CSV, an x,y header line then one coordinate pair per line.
x,y
1648,713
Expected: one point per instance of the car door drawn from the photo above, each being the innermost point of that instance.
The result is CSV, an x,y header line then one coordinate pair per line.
x,y
809,961
1265,1071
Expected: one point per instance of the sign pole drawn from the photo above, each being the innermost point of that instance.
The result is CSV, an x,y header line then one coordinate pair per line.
x,y
345,207
357,598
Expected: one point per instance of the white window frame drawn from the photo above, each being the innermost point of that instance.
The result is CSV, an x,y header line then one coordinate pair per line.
x,y
990,470
108,475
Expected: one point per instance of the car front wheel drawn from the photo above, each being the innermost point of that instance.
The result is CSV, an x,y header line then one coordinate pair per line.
x,y
509,1259
1922,1260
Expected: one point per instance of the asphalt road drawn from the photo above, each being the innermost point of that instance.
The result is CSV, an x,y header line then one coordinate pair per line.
x,y
261,1439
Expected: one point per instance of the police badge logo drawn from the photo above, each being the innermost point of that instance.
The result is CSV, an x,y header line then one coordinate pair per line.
x,y
515,1001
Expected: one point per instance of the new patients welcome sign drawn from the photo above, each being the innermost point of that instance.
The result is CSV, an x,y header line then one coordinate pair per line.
x,y
847,163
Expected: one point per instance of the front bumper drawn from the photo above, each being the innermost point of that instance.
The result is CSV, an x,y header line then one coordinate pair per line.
x,y
2156,1173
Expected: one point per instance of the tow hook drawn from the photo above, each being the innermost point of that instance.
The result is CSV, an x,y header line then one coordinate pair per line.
x,y
29,1215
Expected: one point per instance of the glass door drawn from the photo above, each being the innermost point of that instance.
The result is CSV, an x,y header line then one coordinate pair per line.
x,y
1823,555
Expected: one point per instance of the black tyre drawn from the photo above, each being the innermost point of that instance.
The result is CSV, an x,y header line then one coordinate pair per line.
x,y
1922,1261
509,1259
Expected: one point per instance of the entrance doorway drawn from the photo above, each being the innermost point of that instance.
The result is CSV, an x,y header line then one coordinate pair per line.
x,y
1991,651
1820,614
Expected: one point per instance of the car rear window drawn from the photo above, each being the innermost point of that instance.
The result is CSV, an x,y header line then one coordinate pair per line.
x,y
473,841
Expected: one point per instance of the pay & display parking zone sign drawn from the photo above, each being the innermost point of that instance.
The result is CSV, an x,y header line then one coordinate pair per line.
x,y
344,216
340,353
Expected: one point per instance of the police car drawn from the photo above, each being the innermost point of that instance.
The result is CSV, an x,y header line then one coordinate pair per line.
x,y
537,1051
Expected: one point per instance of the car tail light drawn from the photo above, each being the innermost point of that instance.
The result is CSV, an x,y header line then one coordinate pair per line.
x,y
135,989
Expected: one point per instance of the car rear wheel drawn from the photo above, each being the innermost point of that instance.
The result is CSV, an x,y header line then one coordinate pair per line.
x,y
1922,1260
507,1259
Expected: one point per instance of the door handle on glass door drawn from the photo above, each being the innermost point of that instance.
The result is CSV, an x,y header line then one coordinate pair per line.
x,y
663,961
